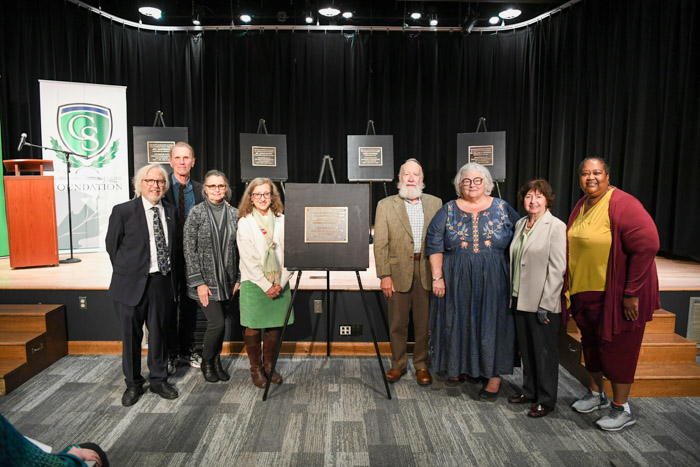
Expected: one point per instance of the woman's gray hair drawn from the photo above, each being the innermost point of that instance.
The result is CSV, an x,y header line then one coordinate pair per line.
x,y
471,166
217,173
141,174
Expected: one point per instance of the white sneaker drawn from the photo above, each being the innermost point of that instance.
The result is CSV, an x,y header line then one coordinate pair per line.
x,y
194,359
616,419
589,403
172,365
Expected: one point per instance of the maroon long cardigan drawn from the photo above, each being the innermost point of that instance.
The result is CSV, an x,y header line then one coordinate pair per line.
x,y
631,267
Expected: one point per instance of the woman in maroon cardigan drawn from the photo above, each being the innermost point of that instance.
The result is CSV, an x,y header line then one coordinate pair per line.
x,y
613,288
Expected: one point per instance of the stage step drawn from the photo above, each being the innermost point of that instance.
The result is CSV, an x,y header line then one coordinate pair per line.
x,y
32,337
661,348
666,367
664,322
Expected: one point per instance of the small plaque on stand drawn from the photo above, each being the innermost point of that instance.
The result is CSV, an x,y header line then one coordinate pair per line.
x,y
263,156
159,151
370,158
487,148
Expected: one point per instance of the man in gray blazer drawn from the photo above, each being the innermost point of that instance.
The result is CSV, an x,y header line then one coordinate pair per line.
x,y
183,195
400,228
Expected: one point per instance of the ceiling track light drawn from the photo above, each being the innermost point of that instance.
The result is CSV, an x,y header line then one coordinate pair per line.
x,y
510,13
153,12
416,16
433,20
309,18
347,14
329,11
494,20
246,18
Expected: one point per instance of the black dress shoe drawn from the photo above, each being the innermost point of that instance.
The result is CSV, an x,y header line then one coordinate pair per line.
x,y
488,395
132,395
219,370
209,372
165,390
519,399
539,410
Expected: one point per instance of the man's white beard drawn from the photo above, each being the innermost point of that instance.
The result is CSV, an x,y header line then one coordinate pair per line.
x,y
410,192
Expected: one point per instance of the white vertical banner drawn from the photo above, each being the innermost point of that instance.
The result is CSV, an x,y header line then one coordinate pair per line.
x,y
89,120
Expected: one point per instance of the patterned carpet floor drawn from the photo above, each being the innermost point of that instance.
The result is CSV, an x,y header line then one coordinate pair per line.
x,y
335,412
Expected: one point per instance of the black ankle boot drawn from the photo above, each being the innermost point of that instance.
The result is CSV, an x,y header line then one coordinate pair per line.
x,y
219,370
209,372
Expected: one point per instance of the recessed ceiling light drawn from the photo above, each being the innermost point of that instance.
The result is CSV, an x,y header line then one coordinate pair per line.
x,y
329,11
150,11
347,14
510,13
415,15
494,20
246,18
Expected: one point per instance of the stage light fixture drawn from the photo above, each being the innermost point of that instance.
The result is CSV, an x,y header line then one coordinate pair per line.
x,y
153,12
329,11
494,20
416,15
309,18
434,21
196,20
510,13
246,18
347,14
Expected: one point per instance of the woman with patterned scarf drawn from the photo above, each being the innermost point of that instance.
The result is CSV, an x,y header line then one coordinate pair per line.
x,y
213,278
265,294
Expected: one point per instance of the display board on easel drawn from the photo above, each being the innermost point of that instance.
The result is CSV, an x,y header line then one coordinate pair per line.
x,y
263,155
326,226
487,148
152,144
370,158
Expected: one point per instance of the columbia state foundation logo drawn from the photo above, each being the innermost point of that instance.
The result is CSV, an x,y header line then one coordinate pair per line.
x,y
85,129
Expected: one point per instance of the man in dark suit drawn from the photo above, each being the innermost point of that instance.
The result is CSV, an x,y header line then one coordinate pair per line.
x,y
140,240
184,194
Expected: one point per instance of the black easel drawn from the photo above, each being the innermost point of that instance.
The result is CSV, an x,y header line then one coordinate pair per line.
x,y
66,155
482,122
286,322
262,129
327,162
158,121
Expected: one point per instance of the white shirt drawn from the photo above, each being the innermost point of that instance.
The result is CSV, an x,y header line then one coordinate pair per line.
x,y
251,248
147,206
417,220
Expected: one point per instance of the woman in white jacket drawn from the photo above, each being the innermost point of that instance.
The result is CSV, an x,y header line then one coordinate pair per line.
x,y
537,265
265,294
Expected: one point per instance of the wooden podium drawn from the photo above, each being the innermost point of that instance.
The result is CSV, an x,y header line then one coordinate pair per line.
x,y
31,213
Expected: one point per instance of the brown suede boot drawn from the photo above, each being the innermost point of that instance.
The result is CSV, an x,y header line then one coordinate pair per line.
x,y
272,338
252,348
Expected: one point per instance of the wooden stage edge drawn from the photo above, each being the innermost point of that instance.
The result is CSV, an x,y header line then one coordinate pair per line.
x,y
94,272
295,349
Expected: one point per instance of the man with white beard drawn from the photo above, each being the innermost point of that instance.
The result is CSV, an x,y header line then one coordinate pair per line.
x,y
400,228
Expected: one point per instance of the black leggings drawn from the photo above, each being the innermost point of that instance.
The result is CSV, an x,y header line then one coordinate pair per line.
x,y
214,335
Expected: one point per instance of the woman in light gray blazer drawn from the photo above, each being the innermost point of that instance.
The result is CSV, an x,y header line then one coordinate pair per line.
x,y
537,265
211,261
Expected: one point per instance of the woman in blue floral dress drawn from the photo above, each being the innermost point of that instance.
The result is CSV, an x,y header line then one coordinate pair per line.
x,y
472,331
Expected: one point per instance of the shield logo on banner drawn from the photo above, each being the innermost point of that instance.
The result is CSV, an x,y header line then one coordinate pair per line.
x,y
85,129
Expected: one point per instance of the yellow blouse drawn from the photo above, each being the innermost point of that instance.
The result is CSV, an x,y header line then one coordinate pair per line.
x,y
590,239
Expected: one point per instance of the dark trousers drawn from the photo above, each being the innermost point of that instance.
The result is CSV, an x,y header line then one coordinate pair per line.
x,y
538,348
416,300
153,309
182,321
216,323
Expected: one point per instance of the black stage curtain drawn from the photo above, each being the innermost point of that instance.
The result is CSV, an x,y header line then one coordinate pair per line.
x,y
616,79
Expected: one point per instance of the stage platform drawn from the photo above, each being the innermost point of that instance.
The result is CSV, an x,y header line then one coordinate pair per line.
x,y
91,321
94,273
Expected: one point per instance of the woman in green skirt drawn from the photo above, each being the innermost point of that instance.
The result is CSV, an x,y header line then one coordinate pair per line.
x,y
265,294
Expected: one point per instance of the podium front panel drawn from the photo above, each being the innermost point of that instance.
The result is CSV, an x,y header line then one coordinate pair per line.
x,y
31,221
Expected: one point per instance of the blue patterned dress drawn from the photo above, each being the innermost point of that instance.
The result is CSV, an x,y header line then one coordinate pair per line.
x,y
471,328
